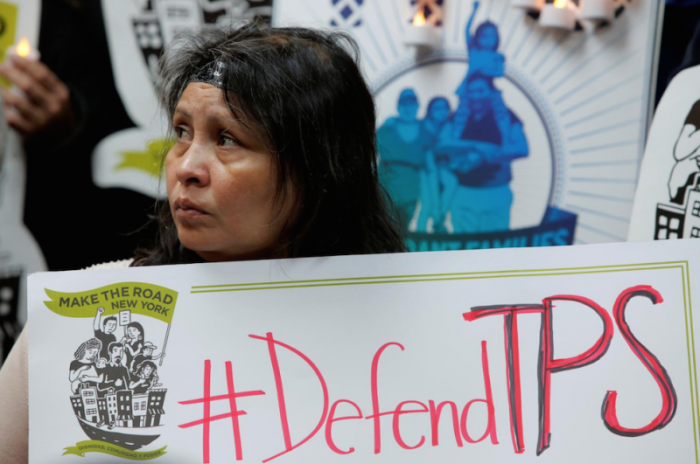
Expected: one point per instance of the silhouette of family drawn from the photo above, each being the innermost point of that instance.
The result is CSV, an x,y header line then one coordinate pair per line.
x,y
451,171
110,365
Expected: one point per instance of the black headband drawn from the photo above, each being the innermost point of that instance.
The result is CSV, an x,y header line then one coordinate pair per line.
x,y
212,73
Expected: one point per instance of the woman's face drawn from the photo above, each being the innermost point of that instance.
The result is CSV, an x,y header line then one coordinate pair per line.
x,y
440,111
487,38
133,333
221,180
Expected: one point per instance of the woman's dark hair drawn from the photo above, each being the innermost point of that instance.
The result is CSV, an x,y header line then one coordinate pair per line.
x,y
139,369
482,27
302,92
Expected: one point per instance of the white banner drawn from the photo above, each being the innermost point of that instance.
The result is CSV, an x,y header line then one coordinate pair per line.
x,y
569,355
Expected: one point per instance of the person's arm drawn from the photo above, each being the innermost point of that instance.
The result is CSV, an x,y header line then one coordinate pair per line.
x,y
515,145
14,411
457,146
96,322
135,384
73,376
470,38
688,143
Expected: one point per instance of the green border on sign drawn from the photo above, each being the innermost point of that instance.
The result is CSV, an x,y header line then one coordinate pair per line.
x,y
682,265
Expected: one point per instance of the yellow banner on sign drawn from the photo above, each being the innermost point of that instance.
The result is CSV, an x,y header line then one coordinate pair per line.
x,y
8,26
138,297
148,161
95,446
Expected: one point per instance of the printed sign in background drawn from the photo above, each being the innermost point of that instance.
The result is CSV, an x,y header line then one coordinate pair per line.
x,y
430,357
19,253
667,205
571,107
137,34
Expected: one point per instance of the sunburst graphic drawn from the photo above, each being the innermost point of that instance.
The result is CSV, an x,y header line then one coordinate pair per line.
x,y
583,98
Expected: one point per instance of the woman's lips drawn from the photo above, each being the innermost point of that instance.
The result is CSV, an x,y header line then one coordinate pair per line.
x,y
188,210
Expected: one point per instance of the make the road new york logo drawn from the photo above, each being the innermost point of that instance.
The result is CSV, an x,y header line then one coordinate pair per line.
x,y
120,346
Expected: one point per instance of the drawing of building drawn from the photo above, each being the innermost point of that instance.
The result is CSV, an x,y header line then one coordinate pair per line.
x,y
139,408
77,403
679,221
102,410
125,417
112,409
156,400
89,396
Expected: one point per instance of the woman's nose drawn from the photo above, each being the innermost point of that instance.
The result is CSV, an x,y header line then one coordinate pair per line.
x,y
193,168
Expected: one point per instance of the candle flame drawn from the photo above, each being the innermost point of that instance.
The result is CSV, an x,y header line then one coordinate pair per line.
x,y
23,47
419,18
560,3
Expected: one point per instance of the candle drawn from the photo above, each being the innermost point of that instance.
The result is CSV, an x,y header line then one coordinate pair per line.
x,y
597,10
561,15
420,33
528,5
23,49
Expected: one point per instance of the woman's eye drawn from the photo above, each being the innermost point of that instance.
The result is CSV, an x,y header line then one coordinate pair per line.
x,y
228,142
182,133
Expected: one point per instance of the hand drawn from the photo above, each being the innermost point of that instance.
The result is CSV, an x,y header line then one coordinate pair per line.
x,y
100,310
45,104
476,5
118,383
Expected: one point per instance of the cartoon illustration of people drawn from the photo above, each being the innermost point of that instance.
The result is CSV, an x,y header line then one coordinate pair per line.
x,y
82,369
104,331
404,144
116,375
482,147
147,377
687,155
146,355
133,342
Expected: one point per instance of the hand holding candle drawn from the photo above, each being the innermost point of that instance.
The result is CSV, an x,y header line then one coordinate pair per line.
x,y
23,49
42,102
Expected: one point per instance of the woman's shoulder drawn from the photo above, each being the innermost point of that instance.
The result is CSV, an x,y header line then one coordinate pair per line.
x,y
124,263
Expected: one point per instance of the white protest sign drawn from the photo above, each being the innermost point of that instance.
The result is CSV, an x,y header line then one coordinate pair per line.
x,y
667,204
569,355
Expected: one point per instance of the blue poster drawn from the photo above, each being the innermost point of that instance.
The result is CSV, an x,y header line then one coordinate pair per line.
x,y
449,173
503,133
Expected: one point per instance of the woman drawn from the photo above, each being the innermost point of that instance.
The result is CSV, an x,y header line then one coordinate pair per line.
x,y
274,156
133,341
437,175
147,375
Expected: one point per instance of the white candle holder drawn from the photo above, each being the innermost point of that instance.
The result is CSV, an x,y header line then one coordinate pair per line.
x,y
528,5
597,10
422,36
560,16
